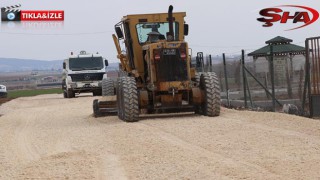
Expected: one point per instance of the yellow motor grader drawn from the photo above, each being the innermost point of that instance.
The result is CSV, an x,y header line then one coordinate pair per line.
x,y
155,73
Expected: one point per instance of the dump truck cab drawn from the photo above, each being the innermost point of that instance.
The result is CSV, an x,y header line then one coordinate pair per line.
x,y
3,91
83,73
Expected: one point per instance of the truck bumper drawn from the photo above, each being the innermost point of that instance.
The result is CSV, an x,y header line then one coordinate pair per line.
x,y
87,89
85,86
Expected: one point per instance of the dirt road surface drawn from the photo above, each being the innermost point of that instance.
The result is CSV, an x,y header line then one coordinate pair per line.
x,y
48,137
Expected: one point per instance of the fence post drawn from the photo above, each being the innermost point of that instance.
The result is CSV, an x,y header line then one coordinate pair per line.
x,y
226,78
249,92
272,79
306,78
244,80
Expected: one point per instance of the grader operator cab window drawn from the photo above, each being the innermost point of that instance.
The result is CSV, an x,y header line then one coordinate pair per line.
x,y
143,29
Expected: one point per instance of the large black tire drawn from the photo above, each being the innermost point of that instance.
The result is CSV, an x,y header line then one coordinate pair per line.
x,y
97,93
70,94
108,87
65,94
128,107
209,83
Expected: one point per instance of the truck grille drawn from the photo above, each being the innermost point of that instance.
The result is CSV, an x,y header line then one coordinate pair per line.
x,y
171,67
87,77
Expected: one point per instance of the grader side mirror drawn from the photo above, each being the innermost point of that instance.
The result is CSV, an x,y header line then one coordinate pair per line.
x,y
64,65
119,32
106,62
186,29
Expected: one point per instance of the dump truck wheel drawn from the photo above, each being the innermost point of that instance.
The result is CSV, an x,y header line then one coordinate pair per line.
x,y
129,97
209,83
96,93
70,94
96,112
107,87
64,94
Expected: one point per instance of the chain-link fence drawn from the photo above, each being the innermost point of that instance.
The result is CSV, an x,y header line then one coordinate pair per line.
x,y
250,78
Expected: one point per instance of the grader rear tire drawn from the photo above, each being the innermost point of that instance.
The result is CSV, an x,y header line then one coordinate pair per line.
x,y
197,77
209,83
107,87
128,107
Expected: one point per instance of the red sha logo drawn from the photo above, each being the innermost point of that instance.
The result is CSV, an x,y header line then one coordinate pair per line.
x,y
276,14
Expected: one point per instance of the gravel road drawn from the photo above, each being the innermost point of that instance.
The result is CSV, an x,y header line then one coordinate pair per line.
x,y
48,137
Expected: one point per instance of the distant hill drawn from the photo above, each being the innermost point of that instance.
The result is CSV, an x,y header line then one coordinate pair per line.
x,y
18,65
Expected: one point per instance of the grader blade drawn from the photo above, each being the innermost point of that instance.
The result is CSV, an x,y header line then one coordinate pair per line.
x,y
107,106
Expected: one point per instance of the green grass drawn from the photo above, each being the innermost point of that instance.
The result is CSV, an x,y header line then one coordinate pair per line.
x,y
27,93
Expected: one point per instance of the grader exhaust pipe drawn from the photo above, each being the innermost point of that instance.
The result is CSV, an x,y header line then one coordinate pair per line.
x,y
170,34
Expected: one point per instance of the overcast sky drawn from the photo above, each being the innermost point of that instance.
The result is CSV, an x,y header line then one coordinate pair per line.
x,y
215,27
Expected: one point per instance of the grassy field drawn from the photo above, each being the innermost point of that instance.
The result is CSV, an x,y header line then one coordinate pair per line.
x,y
27,93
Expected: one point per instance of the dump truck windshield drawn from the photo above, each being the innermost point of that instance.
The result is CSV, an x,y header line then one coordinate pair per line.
x,y
143,29
85,63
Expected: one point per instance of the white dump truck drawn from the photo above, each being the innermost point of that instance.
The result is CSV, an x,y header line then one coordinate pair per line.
x,y
83,73
3,91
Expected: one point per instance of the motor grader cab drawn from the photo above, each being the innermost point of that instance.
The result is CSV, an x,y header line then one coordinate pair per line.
x,y
156,76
